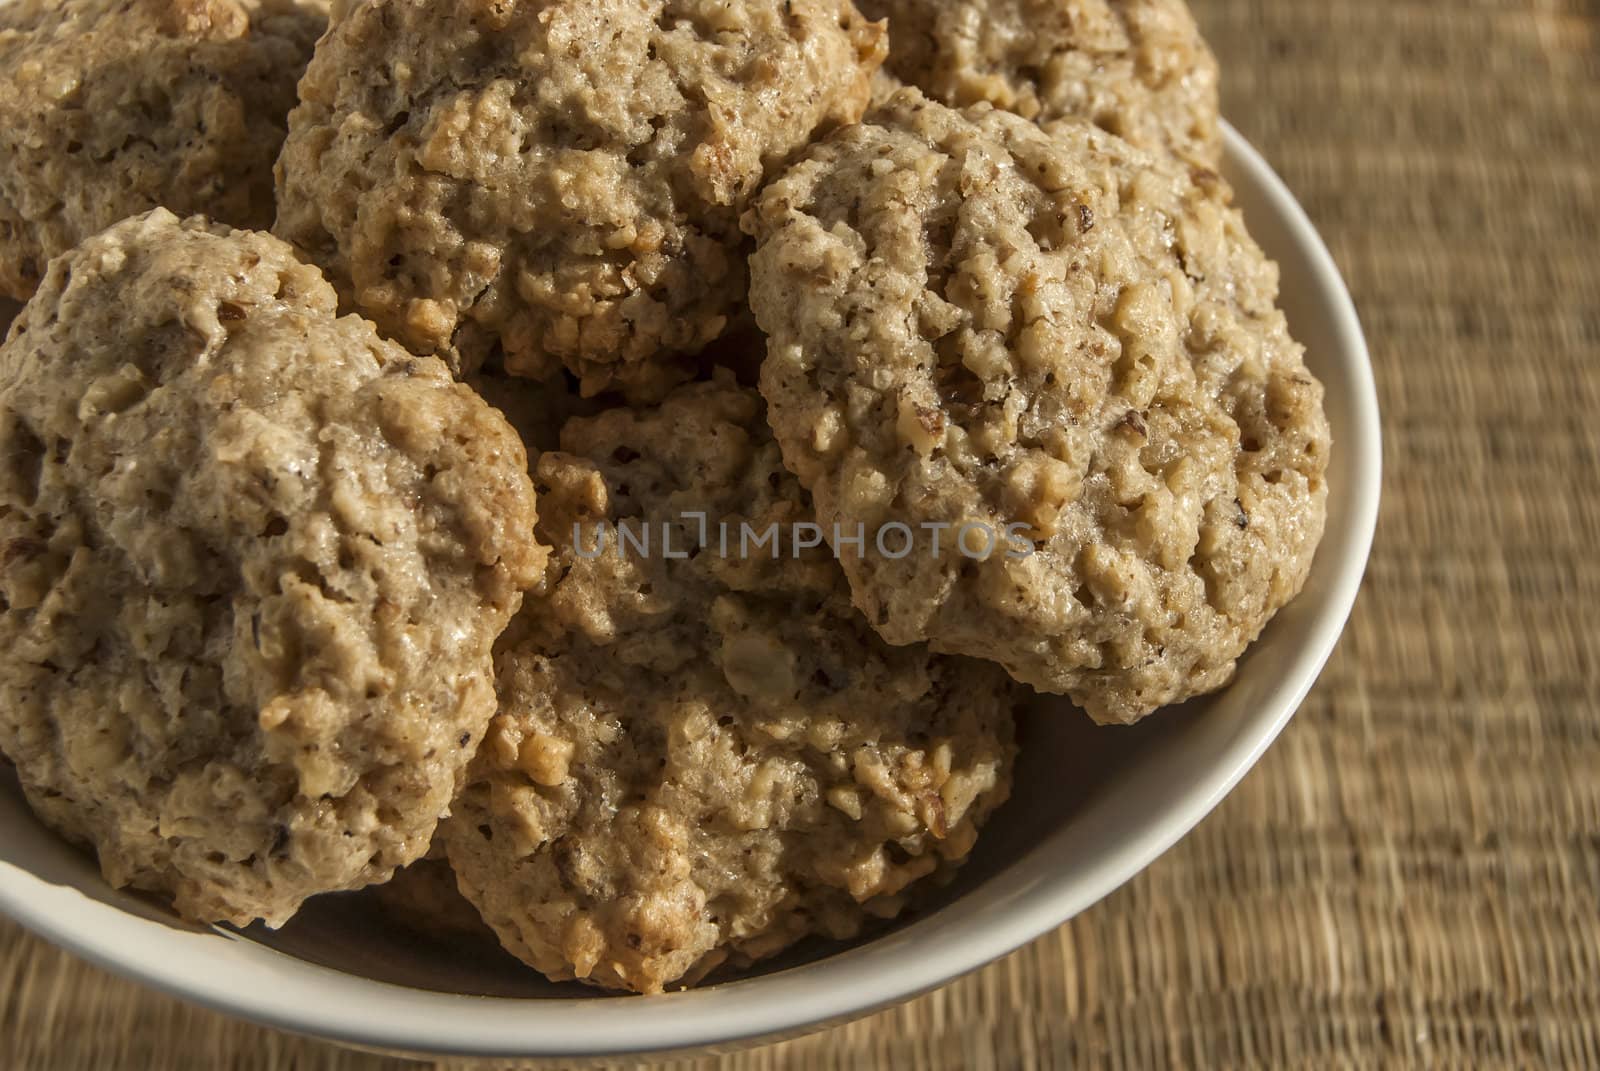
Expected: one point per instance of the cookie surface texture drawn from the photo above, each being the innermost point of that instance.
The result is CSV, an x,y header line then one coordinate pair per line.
x,y
109,108
976,323
703,756
560,179
254,560
1137,68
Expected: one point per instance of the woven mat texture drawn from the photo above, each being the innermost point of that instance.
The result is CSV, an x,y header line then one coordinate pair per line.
x,y
1411,877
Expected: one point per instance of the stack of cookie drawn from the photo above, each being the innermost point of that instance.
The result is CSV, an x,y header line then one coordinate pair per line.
x,y
651,453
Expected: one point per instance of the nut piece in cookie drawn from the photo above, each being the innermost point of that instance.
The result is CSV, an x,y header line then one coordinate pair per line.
x,y
109,108
1052,337
562,178
703,754
1138,68
253,560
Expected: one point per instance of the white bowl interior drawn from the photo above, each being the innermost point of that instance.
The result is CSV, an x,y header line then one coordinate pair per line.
x,y
1092,806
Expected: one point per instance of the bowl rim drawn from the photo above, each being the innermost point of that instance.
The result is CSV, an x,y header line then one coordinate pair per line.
x,y
277,990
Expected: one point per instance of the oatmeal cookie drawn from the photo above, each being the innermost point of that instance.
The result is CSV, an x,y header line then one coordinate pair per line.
x,y
559,177
253,560
974,322
702,759
1138,68
109,108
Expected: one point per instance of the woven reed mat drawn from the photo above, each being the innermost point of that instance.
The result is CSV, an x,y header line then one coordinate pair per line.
x,y
1410,876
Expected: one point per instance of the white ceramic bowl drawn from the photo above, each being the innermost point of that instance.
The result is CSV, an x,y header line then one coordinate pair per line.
x,y
1092,807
